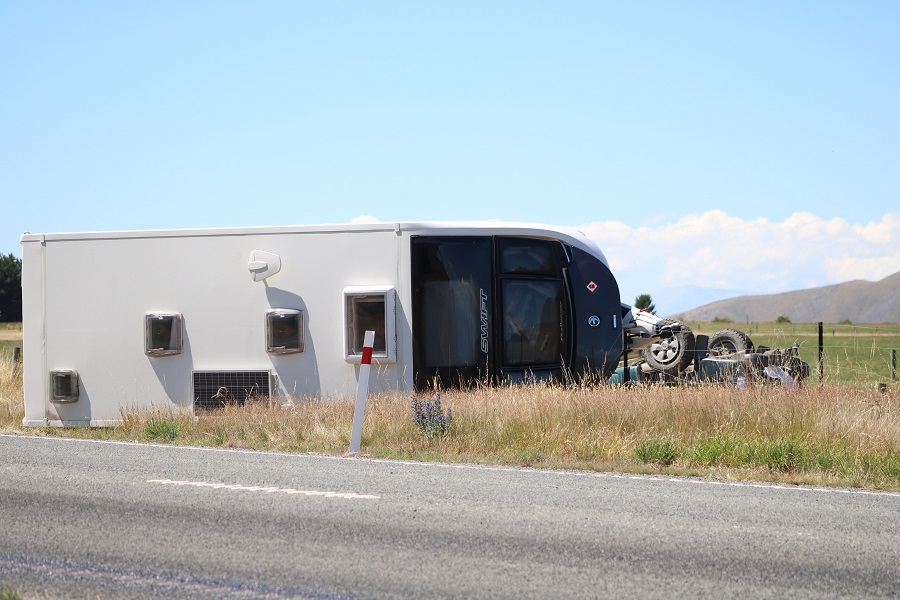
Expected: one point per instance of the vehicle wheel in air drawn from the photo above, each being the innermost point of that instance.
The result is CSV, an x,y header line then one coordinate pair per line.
x,y
726,342
673,355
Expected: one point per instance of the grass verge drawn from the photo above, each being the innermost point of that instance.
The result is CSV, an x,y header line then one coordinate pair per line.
x,y
831,434
9,594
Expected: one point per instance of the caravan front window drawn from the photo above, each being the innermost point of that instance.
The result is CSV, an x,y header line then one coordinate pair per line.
x,y
520,256
534,323
452,309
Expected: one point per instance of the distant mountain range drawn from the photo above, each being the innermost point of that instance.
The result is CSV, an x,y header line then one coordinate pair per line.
x,y
856,301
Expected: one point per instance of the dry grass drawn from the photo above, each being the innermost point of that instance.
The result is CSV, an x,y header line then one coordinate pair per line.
x,y
11,332
830,434
12,398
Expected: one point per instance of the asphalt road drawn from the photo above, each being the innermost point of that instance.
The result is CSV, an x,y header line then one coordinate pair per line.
x,y
83,519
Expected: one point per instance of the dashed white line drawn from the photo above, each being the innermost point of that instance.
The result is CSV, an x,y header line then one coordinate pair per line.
x,y
267,490
547,472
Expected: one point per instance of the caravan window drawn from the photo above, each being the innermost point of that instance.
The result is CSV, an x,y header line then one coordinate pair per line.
x,y
366,314
63,386
520,256
452,308
162,334
284,331
534,322
463,286
370,309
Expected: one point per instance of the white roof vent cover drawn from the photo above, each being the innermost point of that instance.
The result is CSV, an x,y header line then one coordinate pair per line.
x,y
263,264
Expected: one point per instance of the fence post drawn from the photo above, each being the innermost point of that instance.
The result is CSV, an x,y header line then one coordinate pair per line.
x,y
821,352
894,364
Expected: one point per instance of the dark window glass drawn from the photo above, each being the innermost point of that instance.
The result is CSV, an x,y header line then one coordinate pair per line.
x,y
285,331
452,308
528,257
367,314
533,322
65,386
163,334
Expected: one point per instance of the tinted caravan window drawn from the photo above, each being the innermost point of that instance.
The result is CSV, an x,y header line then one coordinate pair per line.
x,y
162,334
370,308
284,331
452,304
533,322
534,303
520,256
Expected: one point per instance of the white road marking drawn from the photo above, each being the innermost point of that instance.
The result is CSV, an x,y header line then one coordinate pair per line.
x,y
548,472
267,490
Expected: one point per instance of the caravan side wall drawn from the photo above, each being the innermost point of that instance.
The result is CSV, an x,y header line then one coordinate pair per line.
x,y
86,298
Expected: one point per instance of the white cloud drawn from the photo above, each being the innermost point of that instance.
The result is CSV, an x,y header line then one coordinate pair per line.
x,y
715,250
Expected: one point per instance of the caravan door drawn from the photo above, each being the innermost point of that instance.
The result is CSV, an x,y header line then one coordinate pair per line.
x,y
489,308
453,299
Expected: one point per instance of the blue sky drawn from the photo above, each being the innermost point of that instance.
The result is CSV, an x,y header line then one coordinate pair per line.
x,y
677,135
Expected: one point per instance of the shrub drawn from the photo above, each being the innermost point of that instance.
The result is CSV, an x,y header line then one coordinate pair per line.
x,y
782,319
429,417
722,320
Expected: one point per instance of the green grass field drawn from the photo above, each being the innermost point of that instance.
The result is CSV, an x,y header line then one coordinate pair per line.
x,y
851,353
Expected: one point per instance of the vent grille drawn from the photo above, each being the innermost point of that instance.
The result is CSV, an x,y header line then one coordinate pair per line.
x,y
215,389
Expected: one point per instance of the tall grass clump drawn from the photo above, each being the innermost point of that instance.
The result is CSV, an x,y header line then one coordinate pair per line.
x,y
162,427
660,451
12,398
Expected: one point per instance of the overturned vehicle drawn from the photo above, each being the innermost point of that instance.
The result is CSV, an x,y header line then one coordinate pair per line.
x,y
196,319
669,352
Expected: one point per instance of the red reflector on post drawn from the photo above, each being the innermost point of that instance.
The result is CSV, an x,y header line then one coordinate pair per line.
x,y
367,355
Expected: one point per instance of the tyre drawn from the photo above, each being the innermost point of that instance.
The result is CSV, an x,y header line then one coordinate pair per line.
x,y
673,355
726,342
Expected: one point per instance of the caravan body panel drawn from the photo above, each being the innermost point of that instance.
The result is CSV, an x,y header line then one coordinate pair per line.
x,y
87,298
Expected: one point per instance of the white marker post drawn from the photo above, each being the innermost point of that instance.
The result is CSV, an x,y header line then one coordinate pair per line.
x,y
362,390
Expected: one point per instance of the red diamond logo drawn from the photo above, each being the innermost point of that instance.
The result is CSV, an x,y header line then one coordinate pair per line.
x,y
592,287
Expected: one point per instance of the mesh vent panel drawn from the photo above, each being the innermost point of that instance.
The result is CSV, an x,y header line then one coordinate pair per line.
x,y
215,389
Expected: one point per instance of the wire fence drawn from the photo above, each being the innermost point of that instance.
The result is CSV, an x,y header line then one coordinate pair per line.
x,y
835,351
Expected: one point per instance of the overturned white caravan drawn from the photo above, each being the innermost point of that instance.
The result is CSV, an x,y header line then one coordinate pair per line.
x,y
187,319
